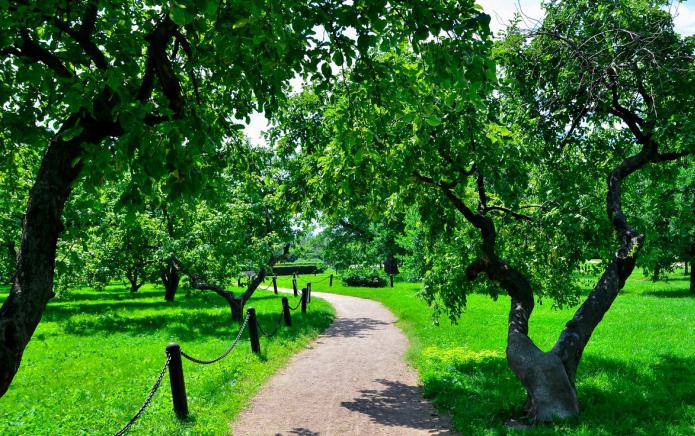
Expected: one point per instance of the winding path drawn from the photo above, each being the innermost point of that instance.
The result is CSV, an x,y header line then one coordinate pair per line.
x,y
352,380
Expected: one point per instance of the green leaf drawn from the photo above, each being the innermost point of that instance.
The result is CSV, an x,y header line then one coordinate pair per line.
x,y
433,120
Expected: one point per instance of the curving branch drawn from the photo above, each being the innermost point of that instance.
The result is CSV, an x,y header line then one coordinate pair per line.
x,y
30,49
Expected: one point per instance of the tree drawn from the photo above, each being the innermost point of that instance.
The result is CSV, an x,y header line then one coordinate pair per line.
x,y
353,238
590,94
97,86
665,212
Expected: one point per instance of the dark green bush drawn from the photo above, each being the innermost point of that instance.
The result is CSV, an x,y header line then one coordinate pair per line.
x,y
288,269
365,277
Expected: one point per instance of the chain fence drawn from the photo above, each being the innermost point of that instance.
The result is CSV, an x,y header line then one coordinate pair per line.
x,y
299,303
142,408
223,355
229,349
275,329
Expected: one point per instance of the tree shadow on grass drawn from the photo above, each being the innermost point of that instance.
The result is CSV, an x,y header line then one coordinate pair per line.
x,y
187,319
670,293
616,396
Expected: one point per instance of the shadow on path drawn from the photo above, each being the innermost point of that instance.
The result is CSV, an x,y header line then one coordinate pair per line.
x,y
353,327
398,405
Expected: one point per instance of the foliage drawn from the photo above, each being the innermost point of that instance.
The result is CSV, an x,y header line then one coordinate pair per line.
x,y
112,346
365,277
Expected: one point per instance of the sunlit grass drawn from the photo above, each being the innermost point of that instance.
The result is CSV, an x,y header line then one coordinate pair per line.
x,y
95,355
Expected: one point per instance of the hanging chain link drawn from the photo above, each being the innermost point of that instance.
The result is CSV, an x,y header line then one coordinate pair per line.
x,y
147,400
275,330
229,350
297,305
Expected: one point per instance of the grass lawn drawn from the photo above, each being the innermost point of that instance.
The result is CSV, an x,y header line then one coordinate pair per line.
x,y
95,355
637,375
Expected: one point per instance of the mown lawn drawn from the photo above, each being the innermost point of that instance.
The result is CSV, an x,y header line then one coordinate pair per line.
x,y
637,376
95,356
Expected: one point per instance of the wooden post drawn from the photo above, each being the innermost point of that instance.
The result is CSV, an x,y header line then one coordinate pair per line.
x,y
294,285
308,292
238,281
286,312
392,280
178,387
253,330
331,281
275,284
304,298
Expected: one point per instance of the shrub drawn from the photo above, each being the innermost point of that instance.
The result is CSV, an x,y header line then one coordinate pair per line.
x,y
365,277
289,268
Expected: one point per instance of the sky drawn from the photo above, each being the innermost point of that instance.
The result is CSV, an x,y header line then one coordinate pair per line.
x,y
501,12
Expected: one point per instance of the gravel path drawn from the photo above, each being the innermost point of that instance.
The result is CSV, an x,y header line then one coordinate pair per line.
x,y
351,381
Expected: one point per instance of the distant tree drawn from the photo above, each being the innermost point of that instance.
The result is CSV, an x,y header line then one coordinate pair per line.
x,y
353,238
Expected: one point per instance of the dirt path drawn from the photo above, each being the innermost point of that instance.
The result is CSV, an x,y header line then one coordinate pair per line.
x,y
352,380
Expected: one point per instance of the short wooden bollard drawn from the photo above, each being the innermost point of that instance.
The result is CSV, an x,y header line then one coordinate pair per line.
x,y
286,312
253,330
275,284
294,285
331,281
308,292
238,282
304,299
178,387
392,280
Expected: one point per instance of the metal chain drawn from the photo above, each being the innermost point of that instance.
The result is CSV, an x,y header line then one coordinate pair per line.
x,y
147,400
322,280
297,306
229,350
275,330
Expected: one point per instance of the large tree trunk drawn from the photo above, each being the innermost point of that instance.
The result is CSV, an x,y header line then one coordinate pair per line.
x,y
550,391
692,278
32,286
170,279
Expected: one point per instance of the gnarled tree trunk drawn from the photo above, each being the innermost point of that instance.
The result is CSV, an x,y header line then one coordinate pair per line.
x,y
549,377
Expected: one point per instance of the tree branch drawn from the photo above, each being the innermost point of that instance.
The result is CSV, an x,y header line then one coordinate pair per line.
x,y
30,49
83,39
508,211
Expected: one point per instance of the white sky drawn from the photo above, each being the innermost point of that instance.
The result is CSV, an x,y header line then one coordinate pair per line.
x,y
502,11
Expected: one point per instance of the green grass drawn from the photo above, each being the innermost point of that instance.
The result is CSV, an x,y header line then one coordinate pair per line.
x,y
95,355
637,375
